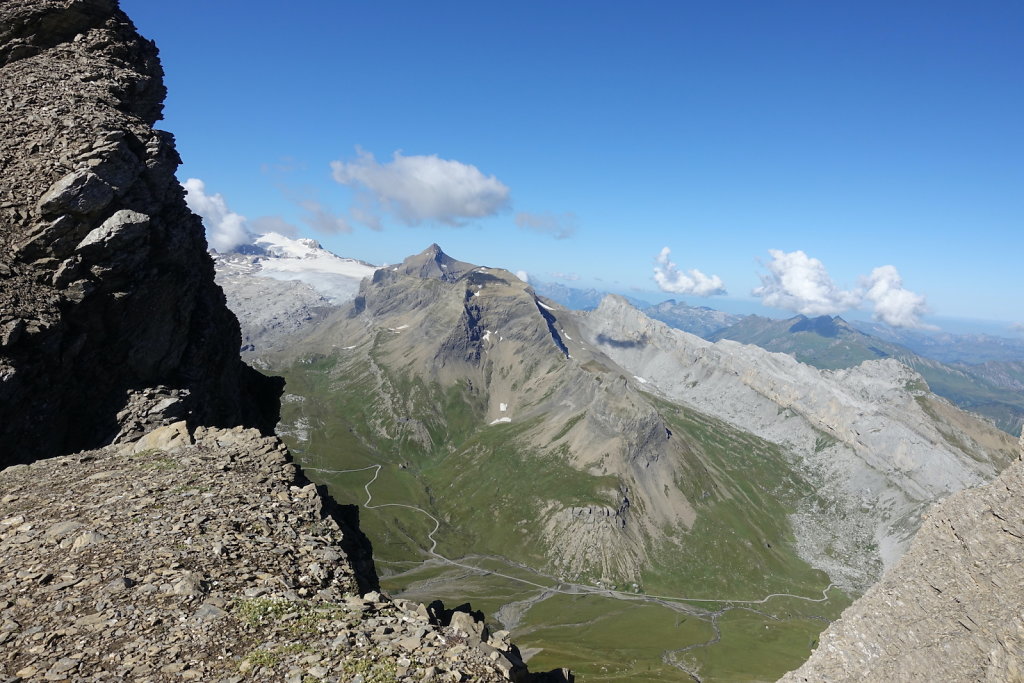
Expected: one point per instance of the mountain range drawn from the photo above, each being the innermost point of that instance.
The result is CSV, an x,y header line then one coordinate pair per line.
x,y
641,444
621,496
831,342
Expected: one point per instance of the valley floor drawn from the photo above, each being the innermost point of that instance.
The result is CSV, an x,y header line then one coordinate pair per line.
x,y
602,633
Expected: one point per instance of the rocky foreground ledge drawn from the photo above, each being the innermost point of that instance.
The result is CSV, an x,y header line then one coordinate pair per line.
x,y
209,556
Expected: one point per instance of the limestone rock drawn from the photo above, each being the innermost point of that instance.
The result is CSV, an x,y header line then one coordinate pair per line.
x,y
874,441
951,609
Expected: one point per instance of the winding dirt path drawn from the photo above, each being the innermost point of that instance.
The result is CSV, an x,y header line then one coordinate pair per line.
x,y
569,588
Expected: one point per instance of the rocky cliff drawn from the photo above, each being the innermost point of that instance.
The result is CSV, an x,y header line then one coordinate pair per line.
x,y
110,321
951,607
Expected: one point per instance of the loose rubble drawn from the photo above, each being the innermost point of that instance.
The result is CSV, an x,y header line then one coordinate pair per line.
x,y
209,556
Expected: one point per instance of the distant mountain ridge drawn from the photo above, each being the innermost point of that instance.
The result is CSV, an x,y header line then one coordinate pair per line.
x,y
833,343
699,320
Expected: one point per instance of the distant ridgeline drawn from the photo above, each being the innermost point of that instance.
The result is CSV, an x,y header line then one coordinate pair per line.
x,y
994,390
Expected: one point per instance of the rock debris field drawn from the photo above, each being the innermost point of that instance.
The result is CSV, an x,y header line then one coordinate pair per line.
x,y
208,556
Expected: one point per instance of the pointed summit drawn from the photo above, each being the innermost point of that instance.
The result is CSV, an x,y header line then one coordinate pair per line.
x,y
433,264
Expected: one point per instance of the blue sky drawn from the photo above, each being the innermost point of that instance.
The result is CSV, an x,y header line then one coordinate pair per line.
x,y
576,140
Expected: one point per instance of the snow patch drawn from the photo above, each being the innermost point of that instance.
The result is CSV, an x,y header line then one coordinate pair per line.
x,y
544,305
640,379
500,420
503,407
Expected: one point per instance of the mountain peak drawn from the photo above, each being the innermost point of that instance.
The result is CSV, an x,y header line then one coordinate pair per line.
x,y
823,325
433,264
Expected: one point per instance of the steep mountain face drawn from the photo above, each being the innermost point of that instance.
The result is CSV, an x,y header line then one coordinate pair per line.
x,y
950,609
186,551
282,287
699,320
500,452
832,343
876,444
106,290
450,354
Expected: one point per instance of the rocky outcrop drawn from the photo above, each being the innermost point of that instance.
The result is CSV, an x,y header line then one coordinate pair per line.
x,y
207,555
106,289
951,608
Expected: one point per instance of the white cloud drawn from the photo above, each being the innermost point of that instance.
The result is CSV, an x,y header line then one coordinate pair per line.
x,y
523,275
559,226
225,229
800,283
797,282
424,188
893,304
671,279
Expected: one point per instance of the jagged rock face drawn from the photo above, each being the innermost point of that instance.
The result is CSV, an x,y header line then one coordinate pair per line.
x,y
105,285
951,608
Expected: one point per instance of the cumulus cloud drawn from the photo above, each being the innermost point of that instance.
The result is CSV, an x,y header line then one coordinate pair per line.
x,y
671,279
893,304
424,188
800,283
559,226
523,275
225,229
